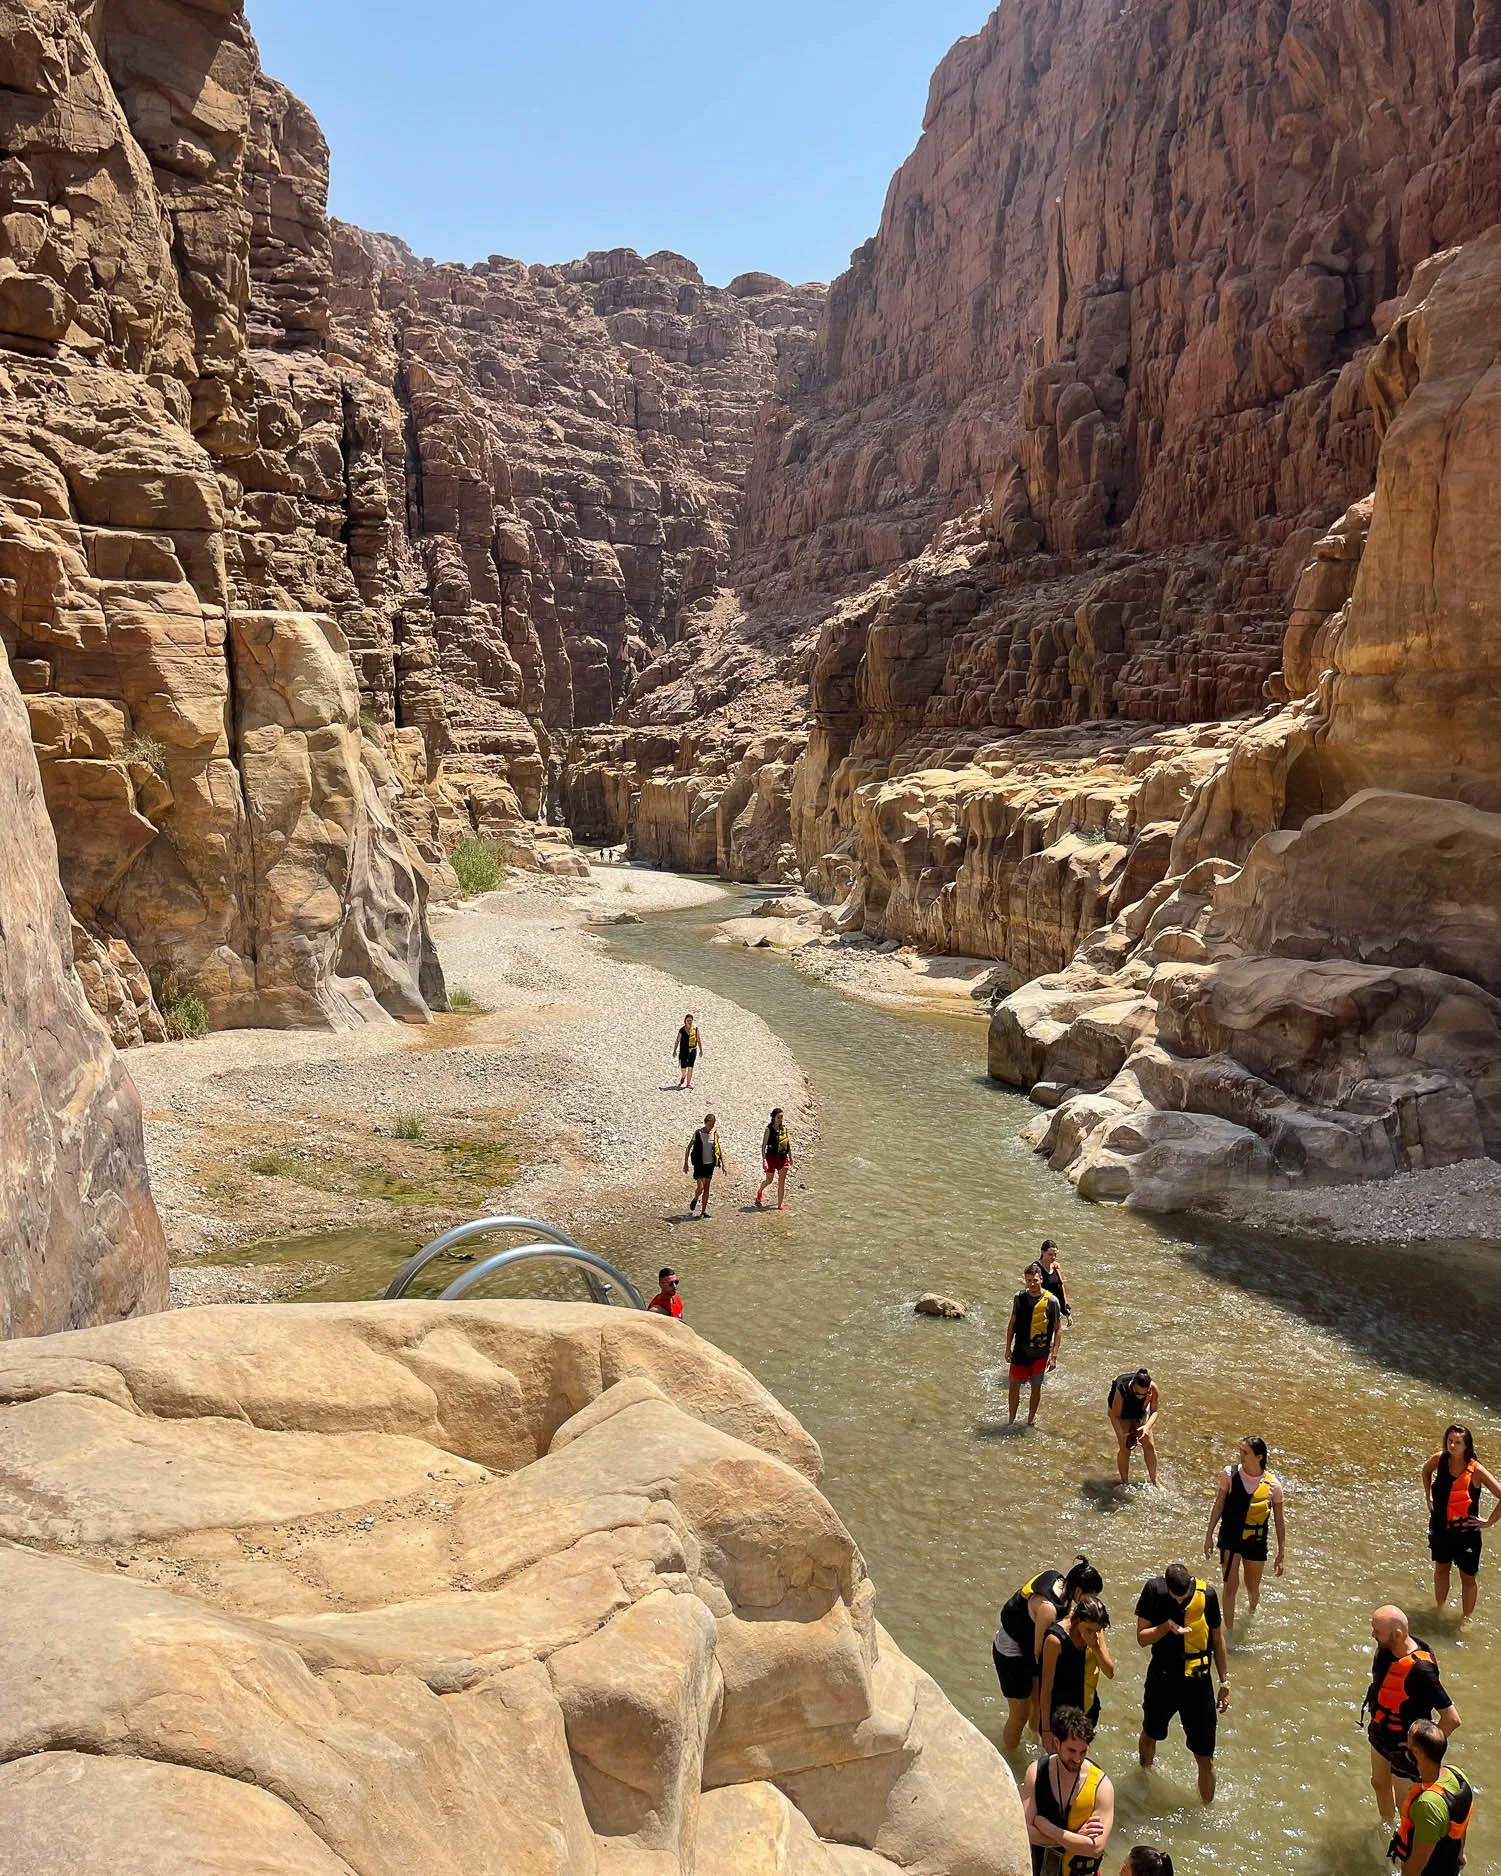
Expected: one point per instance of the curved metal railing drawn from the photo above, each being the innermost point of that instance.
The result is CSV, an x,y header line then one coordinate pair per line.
x,y
597,1273
592,1266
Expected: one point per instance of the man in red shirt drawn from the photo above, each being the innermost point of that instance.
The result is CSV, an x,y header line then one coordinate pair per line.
x,y
666,1302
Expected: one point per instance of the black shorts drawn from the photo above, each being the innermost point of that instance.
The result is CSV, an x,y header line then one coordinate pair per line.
x,y
1458,1547
1252,1549
1395,1752
706,1173
1192,1701
1015,1674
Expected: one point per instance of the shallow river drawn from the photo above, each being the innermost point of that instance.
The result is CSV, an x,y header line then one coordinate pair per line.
x,y
1349,1360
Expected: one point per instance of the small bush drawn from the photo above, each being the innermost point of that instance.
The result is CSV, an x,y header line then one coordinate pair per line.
x,y
146,752
462,999
1094,836
182,1008
406,1127
274,1166
478,864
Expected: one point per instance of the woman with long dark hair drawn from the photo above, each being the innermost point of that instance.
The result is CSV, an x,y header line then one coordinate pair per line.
x,y
1247,1499
1452,1483
1026,1622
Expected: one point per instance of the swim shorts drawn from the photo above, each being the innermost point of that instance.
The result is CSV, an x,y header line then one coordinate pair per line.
x,y
1172,1693
1030,1370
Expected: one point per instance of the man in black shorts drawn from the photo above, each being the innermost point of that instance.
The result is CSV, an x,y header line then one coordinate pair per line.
x,y
1178,1618
1405,1686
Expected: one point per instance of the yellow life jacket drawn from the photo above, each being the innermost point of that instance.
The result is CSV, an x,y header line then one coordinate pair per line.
x,y
1259,1507
1075,1862
778,1141
1196,1634
690,1031
1091,1678
1039,1327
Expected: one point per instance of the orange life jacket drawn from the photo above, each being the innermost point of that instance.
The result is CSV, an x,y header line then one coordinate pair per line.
x,y
1388,1708
1464,1496
1448,1854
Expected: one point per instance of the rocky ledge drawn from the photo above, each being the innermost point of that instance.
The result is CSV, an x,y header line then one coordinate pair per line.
x,y
381,1587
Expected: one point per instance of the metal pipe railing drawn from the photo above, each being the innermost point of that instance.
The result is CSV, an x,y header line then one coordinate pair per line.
x,y
592,1266
477,1227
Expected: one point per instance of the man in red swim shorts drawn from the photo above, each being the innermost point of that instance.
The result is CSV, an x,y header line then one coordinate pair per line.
x,y
1032,1337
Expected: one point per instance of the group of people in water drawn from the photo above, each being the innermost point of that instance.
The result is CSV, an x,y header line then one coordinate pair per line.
x,y
704,1157
1051,1650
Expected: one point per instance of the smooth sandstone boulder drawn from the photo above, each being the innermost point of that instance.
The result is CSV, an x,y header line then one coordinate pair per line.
x,y
392,1586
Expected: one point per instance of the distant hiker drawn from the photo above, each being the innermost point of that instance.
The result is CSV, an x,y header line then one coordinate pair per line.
x,y
1405,1686
1452,1483
704,1158
1133,1404
1052,1278
1032,1332
666,1302
776,1157
688,1048
1247,1498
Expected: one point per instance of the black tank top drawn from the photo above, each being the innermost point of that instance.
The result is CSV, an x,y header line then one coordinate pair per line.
x,y
1053,1282
1444,1482
1132,1405
1014,1617
1068,1675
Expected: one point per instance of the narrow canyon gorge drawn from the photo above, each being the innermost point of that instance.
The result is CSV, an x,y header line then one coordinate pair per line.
x,y
1094,579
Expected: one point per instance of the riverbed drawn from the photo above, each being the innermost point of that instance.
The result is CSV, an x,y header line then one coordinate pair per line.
x,y
1349,1359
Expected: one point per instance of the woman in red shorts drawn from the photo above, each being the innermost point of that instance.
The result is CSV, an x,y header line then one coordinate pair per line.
x,y
776,1157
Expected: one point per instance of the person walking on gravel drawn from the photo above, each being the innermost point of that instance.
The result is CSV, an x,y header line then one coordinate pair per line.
x,y
704,1158
776,1157
688,1048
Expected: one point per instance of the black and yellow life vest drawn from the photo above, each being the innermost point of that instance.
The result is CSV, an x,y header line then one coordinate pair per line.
x,y
1081,1809
1034,1330
778,1142
1247,1512
1016,1617
1448,1855
1196,1633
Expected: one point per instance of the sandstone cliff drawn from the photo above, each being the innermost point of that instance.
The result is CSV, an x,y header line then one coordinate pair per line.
x,y
419,1586
79,1237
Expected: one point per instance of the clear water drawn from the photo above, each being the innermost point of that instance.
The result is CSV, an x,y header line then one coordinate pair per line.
x,y
1349,1360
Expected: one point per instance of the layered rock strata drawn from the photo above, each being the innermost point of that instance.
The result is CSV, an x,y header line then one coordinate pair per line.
x,y
1310,993
368,1588
79,1238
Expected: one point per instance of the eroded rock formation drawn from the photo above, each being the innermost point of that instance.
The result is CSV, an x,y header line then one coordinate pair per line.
x,y
395,1586
79,1237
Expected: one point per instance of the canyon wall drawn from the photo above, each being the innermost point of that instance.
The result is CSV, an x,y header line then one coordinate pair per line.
x,y
446,1587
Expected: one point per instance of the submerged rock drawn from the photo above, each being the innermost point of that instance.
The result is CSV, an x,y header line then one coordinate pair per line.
x,y
934,1305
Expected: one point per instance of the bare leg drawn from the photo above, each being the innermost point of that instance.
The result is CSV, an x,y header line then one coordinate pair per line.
x,y
1018,1712
1469,1591
782,1189
1146,1750
1014,1400
1441,1581
1381,1784
1123,1458
1035,1403
1149,1453
1206,1780
1231,1561
1253,1584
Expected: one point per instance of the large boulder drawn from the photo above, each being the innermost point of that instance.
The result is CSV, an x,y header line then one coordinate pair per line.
x,y
450,1587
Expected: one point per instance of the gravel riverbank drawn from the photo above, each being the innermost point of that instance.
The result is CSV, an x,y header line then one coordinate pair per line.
x,y
556,1094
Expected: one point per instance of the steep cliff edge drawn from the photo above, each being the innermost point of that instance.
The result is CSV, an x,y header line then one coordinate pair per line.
x,y
79,1236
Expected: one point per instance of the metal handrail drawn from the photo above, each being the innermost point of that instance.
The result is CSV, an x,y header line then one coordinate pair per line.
x,y
477,1227
586,1261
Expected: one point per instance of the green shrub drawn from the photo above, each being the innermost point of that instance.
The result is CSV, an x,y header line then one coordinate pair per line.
x,y
147,752
182,1008
406,1127
275,1166
369,728
462,999
479,865
1094,836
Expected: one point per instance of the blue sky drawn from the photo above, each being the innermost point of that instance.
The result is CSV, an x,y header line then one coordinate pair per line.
x,y
756,136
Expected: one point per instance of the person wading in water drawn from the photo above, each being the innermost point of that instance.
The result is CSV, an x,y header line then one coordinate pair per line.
x,y
688,1048
1074,1655
1133,1403
1247,1498
1032,1335
1430,1840
1052,1279
776,1157
1026,1621
1068,1802
1178,1618
1405,1686
1452,1483
704,1158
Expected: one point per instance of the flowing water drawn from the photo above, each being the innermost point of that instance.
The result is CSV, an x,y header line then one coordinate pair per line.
x,y
1348,1359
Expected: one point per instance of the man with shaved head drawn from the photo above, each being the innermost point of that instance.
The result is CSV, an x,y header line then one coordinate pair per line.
x,y
1405,1686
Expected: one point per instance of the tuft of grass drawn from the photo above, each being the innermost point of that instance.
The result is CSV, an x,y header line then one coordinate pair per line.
x,y
462,999
148,752
369,728
406,1127
1094,836
480,865
275,1166
182,1008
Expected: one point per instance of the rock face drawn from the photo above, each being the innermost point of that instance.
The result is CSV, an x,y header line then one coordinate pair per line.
x,y
1311,992
79,1237
410,1585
